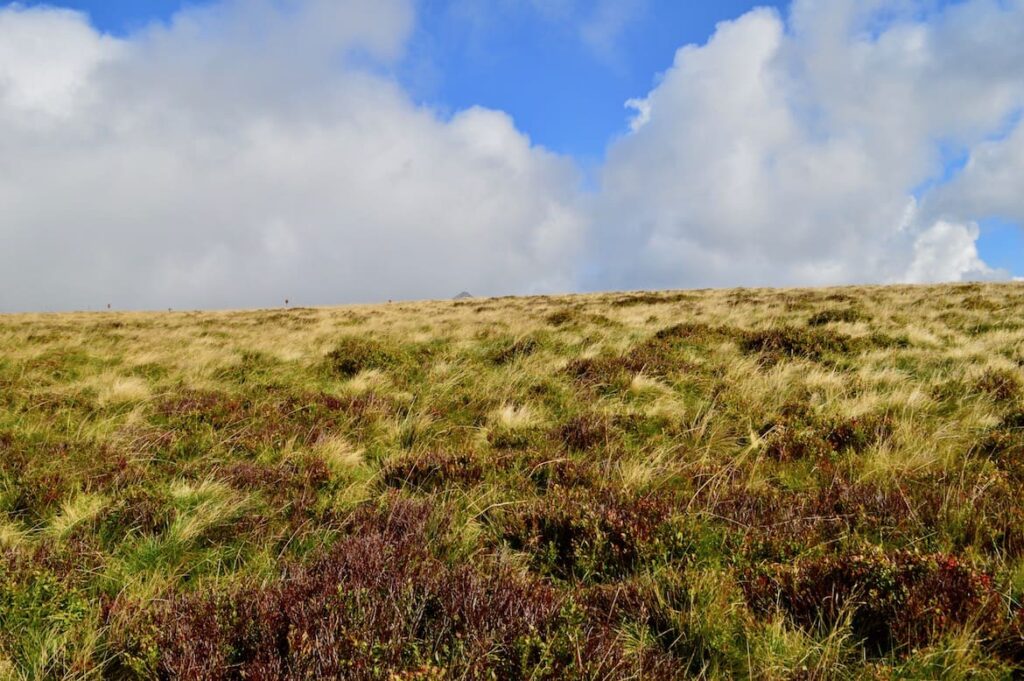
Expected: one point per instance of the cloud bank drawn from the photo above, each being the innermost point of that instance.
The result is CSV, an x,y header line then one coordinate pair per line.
x,y
798,152
256,150
252,152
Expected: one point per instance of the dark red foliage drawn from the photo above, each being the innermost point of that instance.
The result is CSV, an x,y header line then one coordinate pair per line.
x,y
140,510
379,602
897,601
657,356
548,473
75,558
428,471
776,524
645,298
291,485
848,315
251,424
562,317
786,342
1001,385
1005,445
798,433
207,406
617,602
584,432
354,354
695,332
594,372
572,532
39,491
113,469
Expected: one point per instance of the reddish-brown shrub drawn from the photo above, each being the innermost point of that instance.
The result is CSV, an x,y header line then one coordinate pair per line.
x,y
549,473
572,532
292,486
896,601
596,372
848,315
428,471
584,432
138,509
1000,384
354,354
798,433
1005,445
378,603
775,525
776,344
515,350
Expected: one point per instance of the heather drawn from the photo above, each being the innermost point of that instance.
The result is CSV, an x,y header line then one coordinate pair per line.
x,y
771,484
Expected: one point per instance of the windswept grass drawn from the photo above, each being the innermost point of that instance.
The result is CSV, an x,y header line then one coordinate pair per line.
x,y
793,484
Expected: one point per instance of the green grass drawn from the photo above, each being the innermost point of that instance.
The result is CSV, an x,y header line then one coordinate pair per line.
x,y
765,484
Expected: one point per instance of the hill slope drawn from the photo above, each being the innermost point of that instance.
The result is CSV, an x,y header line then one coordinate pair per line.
x,y
810,483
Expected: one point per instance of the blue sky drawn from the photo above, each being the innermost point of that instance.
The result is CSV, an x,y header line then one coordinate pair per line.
x,y
562,71
567,94
119,16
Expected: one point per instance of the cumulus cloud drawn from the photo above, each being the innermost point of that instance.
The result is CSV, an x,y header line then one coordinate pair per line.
x,y
253,151
990,183
790,151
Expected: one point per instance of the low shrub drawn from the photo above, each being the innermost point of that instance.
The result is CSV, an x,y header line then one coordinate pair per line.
x,y
292,486
1003,385
798,433
583,432
515,350
378,605
354,354
895,601
1004,444
585,534
776,344
429,471
138,510
650,299
848,315
549,473
562,317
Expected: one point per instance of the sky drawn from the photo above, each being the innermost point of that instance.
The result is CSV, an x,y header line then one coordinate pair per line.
x,y
234,153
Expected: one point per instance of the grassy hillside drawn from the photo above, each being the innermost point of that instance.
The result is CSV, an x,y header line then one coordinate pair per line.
x,y
747,483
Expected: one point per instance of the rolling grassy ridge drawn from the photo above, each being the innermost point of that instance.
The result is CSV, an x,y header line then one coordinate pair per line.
x,y
749,483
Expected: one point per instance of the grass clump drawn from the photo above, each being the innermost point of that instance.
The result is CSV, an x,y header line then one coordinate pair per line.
x,y
848,315
782,343
353,355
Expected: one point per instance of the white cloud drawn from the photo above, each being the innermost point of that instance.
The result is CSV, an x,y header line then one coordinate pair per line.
x,y
642,107
990,184
231,158
789,154
256,150
46,59
946,252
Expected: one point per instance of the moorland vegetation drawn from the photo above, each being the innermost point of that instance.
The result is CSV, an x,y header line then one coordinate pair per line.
x,y
767,484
